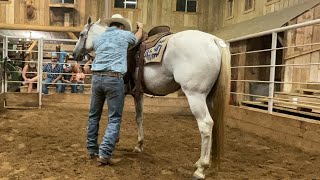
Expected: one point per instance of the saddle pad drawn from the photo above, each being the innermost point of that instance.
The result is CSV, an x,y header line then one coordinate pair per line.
x,y
155,53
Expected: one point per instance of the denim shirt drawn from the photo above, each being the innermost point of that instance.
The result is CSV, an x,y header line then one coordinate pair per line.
x,y
111,50
62,56
57,69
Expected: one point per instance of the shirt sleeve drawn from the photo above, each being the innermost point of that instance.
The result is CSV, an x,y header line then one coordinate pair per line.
x,y
65,53
60,68
45,68
132,38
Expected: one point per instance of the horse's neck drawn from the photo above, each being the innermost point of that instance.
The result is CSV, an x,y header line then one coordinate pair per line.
x,y
99,29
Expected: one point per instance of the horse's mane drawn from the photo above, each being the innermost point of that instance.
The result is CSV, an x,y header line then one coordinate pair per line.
x,y
101,23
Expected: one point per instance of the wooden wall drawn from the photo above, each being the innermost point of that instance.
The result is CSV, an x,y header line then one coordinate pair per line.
x,y
292,130
210,15
163,12
252,73
261,7
302,55
14,12
150,12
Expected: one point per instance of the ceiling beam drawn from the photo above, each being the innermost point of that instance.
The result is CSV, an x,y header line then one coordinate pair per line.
x,y
34,43
39,28
72,36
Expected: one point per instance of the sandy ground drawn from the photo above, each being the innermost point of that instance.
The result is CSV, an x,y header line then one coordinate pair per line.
x,y
50,144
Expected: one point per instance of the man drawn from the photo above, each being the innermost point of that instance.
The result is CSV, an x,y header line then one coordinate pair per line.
x,y
53,71
63,56
108,69
66,77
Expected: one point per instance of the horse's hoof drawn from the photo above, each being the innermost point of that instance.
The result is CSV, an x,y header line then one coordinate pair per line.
x,y
197,176
197,164
194,177
137,150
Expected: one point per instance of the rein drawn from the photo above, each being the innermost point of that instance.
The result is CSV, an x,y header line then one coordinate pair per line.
x,y
85,52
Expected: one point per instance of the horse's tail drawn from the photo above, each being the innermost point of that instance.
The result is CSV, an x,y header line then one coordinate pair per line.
x,y
219,99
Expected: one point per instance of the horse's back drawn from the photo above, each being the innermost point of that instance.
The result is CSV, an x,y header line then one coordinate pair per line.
x,y
195,59
191,60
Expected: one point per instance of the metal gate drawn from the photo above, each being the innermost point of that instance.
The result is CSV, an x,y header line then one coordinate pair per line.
x,y
14,58
2,72
271,71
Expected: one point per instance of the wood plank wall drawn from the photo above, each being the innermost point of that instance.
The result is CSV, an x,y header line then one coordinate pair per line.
x,y
209,17
150,12
302,55
262,7
163,12
14,12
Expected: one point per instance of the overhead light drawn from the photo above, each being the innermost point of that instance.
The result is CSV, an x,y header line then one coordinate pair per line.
x,y
130,2
32,34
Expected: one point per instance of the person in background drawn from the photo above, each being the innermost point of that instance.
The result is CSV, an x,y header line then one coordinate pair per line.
x,y
63,57
87,67
30,75
66,77
77,79
53,70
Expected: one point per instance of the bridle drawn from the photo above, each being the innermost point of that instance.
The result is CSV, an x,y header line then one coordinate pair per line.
x,y
84,51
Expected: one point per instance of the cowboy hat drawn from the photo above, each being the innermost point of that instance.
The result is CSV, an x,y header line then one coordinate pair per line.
x,y
119,19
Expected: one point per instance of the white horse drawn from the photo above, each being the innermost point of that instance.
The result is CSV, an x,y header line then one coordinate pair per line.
x,y
199,64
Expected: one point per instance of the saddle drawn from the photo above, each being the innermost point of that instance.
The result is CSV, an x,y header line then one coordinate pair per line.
x,y
136,61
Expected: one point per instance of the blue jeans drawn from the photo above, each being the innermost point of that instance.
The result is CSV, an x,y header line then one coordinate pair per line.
x,y
63,87
45,86
112,90
77,88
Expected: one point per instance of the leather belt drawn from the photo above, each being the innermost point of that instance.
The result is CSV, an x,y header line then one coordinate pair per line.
x,y
108,73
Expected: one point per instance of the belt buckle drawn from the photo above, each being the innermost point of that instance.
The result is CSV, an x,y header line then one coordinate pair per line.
x,y
116,74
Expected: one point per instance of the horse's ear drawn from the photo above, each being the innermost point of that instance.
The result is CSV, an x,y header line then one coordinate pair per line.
x,y
98,21
89,20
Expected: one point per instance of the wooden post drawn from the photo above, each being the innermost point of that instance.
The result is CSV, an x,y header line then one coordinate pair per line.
x,y
108,6
241,71
272,70
66,20
72,36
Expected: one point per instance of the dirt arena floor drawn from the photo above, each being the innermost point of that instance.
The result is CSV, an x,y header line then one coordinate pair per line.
x,y
50,144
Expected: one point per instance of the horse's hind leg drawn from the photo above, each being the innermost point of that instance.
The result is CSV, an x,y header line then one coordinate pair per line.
x,y
138,102
198,106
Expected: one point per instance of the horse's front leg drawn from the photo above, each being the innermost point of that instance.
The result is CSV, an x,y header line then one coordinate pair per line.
x,y
138,102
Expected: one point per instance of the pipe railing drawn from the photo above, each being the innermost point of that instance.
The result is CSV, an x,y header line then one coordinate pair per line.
x,y
277,30
273,49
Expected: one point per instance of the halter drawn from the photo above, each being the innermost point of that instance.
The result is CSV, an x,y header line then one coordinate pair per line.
x,y
85,52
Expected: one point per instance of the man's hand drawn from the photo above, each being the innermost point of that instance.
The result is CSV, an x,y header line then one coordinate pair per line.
x,y
139,32
86,69
53,83
139,25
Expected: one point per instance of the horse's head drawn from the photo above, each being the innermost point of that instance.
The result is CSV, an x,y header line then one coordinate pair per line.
x,y
85,41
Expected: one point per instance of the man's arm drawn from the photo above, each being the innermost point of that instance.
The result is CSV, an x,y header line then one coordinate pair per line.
x,y
64,80
24,72
60,75
139,33
67,58
86,67
55,80
45,67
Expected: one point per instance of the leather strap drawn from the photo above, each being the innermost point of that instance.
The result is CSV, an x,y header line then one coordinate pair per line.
x,y
108,73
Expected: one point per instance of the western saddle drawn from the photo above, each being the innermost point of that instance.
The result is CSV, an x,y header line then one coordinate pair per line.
x,y
136,60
